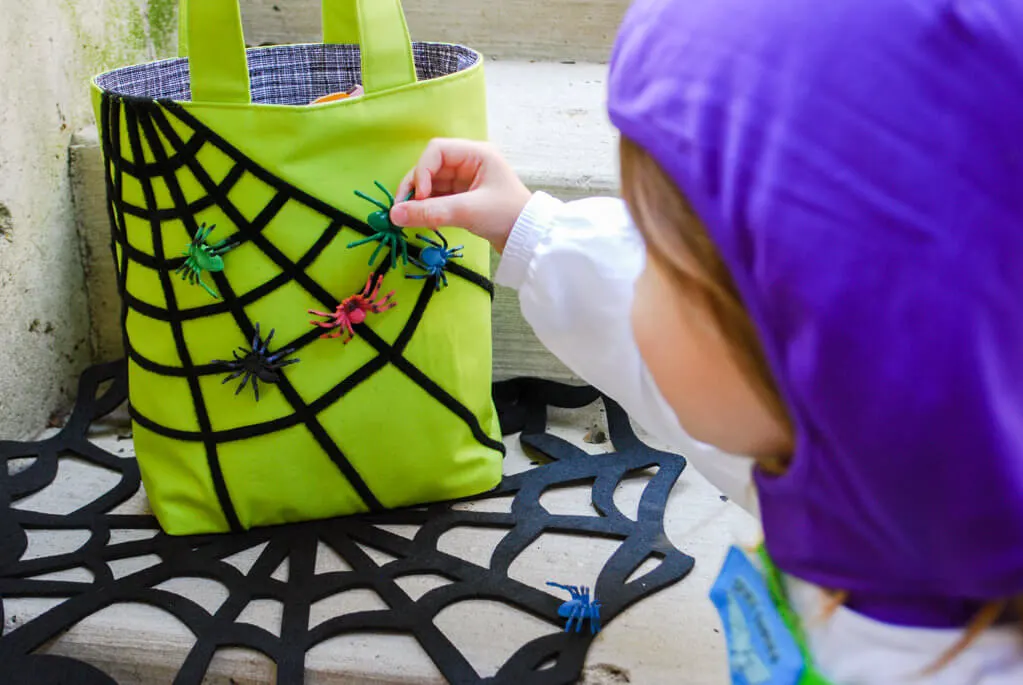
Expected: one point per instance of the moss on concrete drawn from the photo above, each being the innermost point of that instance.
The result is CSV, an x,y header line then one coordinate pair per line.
x,y
122,35
6,223
44,342
163,26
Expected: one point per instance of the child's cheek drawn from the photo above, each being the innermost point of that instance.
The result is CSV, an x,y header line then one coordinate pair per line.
x,y
647,322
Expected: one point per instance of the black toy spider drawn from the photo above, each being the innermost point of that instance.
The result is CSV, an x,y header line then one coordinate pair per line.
x,y
434,259
255,364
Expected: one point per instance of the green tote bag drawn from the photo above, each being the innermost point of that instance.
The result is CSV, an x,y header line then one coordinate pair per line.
x,y
292,355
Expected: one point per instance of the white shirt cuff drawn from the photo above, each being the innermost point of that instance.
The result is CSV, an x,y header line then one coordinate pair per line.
x,y
531,226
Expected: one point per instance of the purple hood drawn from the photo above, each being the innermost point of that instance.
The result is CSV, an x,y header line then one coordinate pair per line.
x,y
860,167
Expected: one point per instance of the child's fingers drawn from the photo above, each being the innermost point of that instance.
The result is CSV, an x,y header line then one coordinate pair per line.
x,y
435,212
447,158
405,187
442,187
441,184
424,182
420,178
430,163
445,171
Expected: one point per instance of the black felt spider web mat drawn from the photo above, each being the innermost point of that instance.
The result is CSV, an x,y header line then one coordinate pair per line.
x,y
557,657
164,142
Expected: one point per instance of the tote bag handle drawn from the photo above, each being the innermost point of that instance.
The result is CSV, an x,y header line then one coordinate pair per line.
x,y
210,35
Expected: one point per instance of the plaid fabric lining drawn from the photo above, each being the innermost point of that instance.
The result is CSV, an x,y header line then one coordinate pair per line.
x,y
285,74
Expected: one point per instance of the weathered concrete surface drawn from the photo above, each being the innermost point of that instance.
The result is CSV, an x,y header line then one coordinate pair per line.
x,y
550,121
676,631
89,190
48,52
581,30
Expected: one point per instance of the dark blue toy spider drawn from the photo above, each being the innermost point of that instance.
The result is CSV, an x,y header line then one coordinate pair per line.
x,y
434,259
256,364
579,608
385,232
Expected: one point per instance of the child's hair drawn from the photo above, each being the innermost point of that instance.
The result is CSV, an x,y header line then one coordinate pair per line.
x,y
678,242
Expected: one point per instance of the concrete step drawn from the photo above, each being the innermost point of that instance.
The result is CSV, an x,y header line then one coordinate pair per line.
x,y
555,30
550,121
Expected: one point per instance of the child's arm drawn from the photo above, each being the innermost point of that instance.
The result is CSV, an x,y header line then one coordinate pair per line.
x,y
574,265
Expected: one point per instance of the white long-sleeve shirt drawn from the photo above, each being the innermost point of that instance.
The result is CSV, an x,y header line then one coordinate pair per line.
x,y
574,266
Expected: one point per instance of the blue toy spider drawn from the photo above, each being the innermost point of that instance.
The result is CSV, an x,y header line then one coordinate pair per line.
x,y
579,608
434,259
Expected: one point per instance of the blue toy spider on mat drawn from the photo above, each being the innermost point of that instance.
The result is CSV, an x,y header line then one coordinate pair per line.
x,y
579,608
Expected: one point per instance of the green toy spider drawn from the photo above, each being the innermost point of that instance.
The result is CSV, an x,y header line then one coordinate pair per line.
x,y
387,233
203,257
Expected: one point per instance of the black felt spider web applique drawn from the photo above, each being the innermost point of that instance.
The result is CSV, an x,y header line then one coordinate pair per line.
x,y
556,657
156,147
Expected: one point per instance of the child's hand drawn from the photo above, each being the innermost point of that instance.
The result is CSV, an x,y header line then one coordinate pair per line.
x,y
465,184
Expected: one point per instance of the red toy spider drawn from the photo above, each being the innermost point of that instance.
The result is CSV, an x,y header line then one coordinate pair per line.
x,y
353,310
